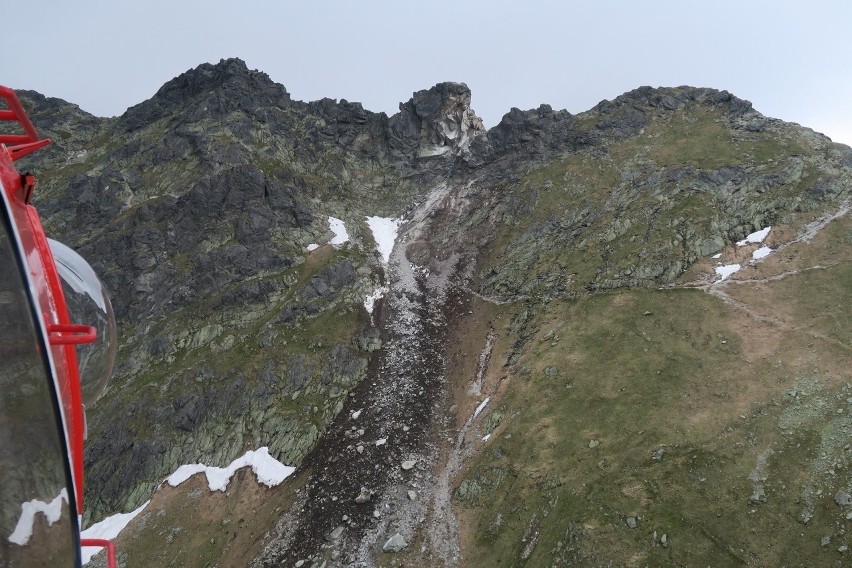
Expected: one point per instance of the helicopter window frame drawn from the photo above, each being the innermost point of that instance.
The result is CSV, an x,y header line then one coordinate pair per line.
x,y
19,274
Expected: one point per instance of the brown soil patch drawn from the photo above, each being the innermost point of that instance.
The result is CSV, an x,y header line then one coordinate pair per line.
x,y
227,528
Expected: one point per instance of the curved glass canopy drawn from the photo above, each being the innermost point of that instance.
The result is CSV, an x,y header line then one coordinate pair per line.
x,y
88,304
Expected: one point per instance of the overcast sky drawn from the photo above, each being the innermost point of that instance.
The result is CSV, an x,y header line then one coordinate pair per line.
x,y
793,60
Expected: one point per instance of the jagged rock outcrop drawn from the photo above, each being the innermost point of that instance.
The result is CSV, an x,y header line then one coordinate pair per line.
x,y
209,91
436,122
529,135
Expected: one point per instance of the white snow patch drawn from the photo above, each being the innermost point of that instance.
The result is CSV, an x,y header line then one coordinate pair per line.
x,y
371,299
481,407
385,231
268,470
312,247
727,270
108,529
52,511
755,237
762,252
381,441
486,437
339,229
716,256
356,414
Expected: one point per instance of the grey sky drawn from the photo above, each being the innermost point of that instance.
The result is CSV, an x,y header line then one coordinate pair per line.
x,y
791,59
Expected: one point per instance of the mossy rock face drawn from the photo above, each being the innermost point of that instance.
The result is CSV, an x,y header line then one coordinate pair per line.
x,y
645,231
196,207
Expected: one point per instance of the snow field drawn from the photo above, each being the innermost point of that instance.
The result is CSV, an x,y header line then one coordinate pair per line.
x,y
762,252
372,298
340,234
481,407
754,238
385,231
108,529
725,271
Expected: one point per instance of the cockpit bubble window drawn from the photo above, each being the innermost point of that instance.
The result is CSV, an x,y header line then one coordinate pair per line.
x,y
88,304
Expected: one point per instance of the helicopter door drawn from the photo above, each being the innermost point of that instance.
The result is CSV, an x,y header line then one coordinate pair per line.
x,y
37,523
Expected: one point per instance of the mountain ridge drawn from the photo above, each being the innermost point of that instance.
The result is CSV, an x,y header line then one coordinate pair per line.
x,y
198,205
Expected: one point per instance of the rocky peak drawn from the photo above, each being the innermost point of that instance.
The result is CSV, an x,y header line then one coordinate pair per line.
x,y
667,99
437,121
223,87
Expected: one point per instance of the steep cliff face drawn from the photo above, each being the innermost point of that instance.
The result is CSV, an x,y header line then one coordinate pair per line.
x,y
554,273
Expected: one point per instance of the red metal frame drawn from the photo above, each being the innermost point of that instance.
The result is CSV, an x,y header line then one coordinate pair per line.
x,y
55,312
73,334
103,543
18,145
63,335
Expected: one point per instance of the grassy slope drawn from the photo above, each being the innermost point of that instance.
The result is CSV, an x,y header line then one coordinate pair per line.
x,y
746,398
682,379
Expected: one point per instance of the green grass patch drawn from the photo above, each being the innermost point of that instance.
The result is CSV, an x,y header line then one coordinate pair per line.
x,y
679,416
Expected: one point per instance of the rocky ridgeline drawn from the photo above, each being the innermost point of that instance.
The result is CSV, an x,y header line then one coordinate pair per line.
x,y
636,208
197,206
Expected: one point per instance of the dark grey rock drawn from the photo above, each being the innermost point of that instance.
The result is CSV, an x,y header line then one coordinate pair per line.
x,y
843,499
335,534
330,281
201,89
364,496
423,123
395,543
